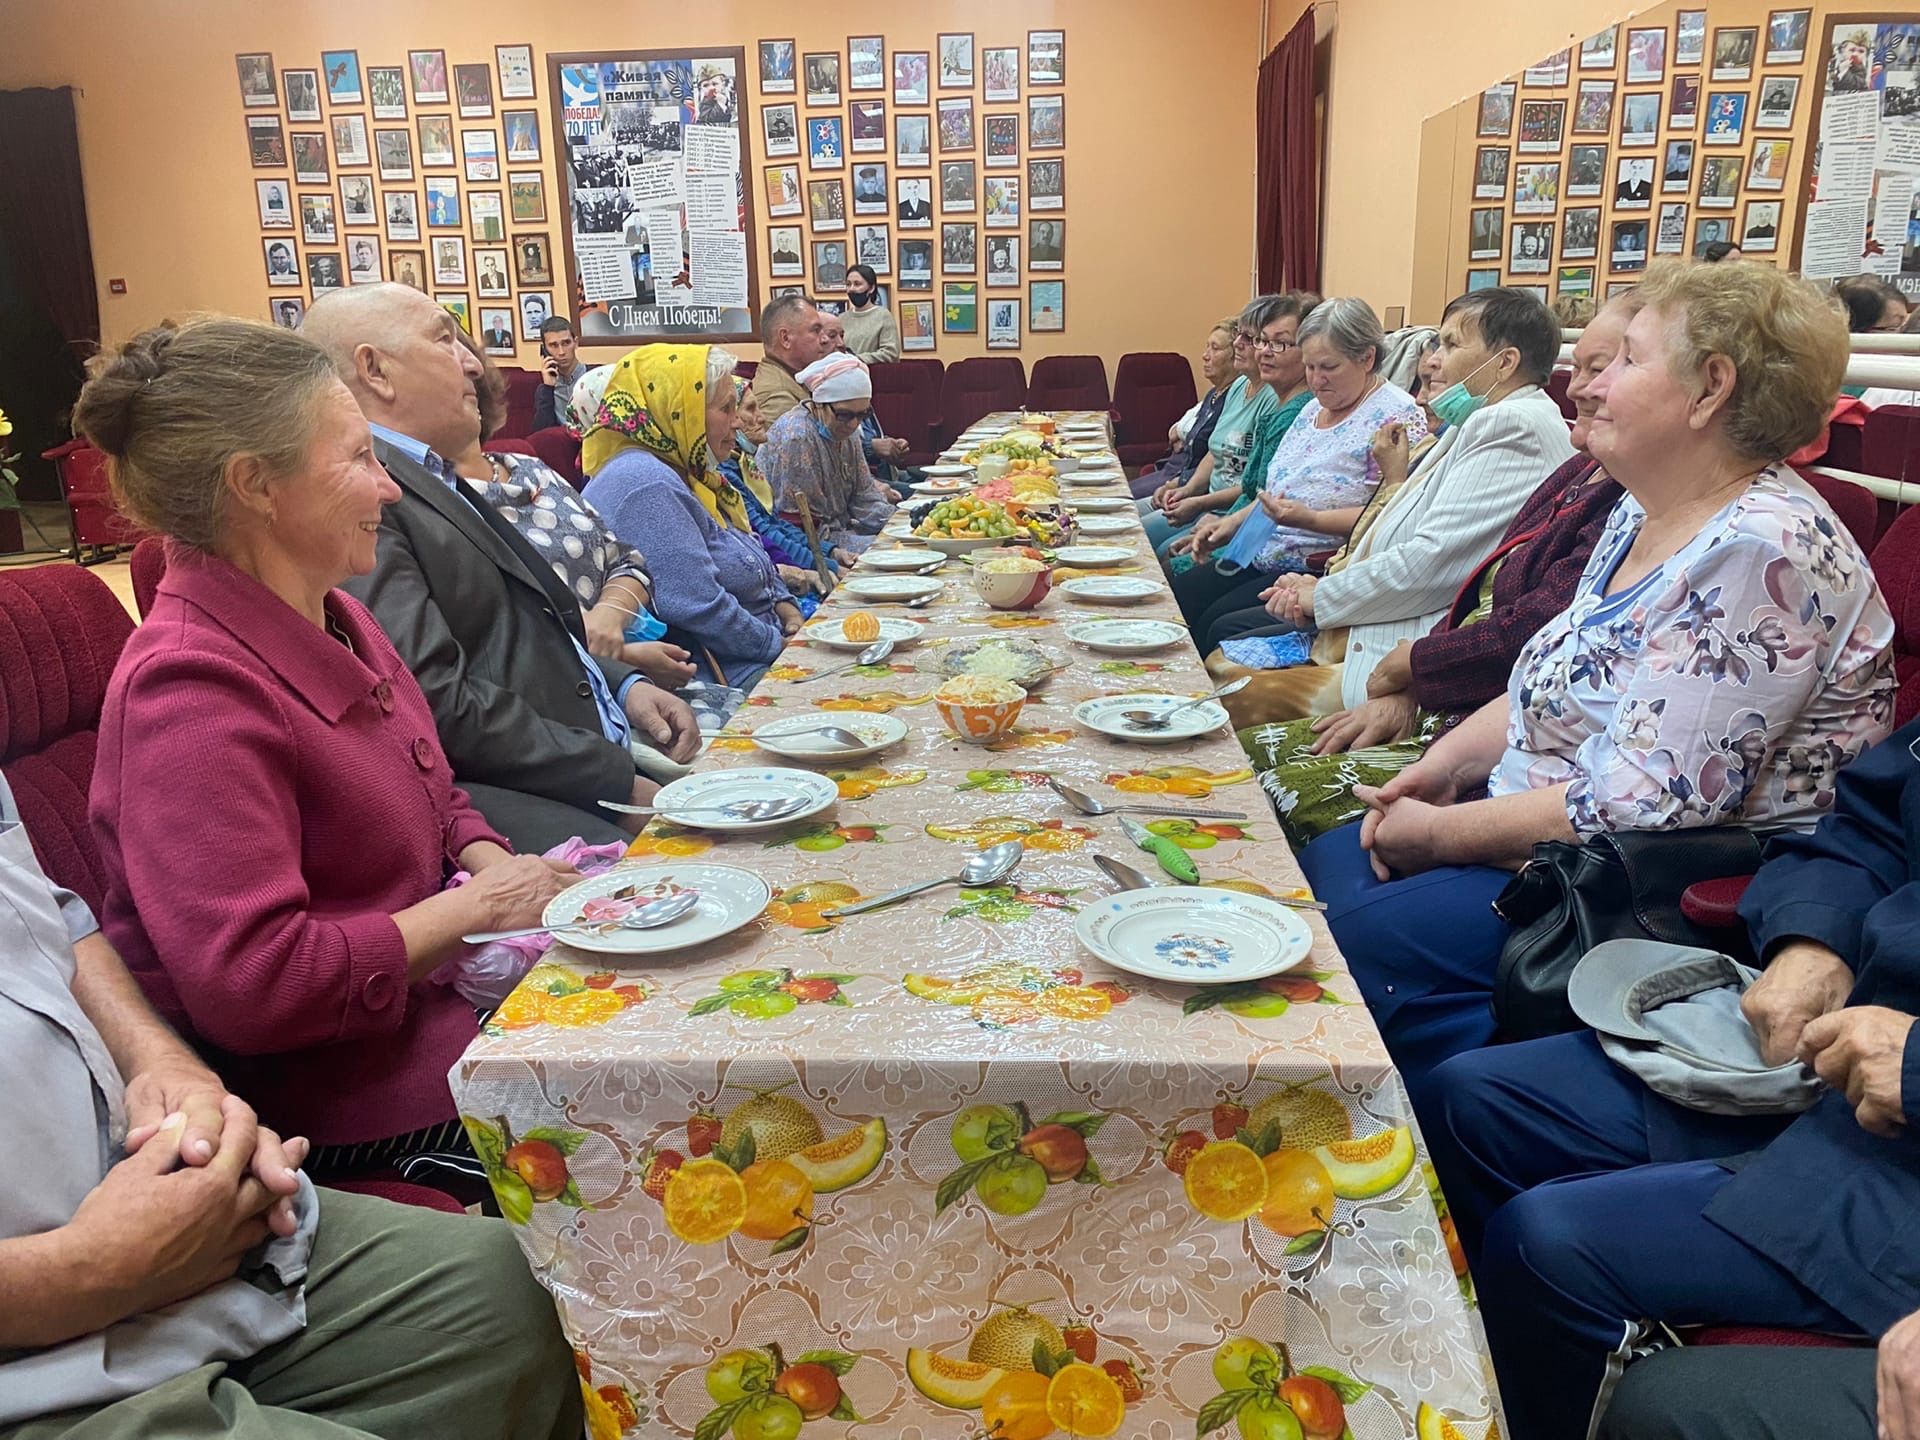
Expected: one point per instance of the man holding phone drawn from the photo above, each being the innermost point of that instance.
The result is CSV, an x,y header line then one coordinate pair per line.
x,y
560,369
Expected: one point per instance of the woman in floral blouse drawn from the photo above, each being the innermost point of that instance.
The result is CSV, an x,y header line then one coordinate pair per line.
x,y
1724,656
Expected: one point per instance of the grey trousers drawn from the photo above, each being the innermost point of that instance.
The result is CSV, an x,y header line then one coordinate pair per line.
x,y
1742,1392
420,1326
533,823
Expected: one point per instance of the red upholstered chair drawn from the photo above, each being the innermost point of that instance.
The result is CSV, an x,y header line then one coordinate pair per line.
x,y
1151,390
61,630
1557,390
1069,382
1890,442
149,563
1761,1335
521,385
95,522
560,449
906,394
978,386
498,446
401,1192
1857,506
745,368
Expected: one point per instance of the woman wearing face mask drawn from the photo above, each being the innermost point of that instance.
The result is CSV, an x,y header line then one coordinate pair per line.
x,y
1319,479
786,543
1414,548
813,451
872,332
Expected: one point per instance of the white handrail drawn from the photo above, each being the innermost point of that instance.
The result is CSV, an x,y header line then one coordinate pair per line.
x,y
1869,343
1882,371
1901,492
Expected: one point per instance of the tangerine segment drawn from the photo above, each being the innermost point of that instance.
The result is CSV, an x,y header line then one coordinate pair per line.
x,y
1299,1193
582,1009
521,1010
1226,1181
1073,1002
705,1202
1085,1401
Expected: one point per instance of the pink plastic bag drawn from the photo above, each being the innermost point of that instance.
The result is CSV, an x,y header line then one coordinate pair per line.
x,y
486,974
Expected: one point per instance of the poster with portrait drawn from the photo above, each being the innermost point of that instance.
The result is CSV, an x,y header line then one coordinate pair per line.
x,y
1628,249
275,213
915,268
532,262
288,311
1531,247
303,95
1586,171
363,261
1003,324
779,131
1676,169
282,264
1761,233
822,71
1733,47
1003,262
1484,233
496,329
1046,244
777,72
256,80
873,245
1490,166
1670,235
659,237
957,192
870,195
403,215
1580,233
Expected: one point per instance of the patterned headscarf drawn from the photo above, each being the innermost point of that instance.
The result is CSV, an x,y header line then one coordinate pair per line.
x,y
655,399
750,475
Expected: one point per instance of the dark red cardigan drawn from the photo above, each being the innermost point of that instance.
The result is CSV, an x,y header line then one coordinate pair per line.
x,y
1457,670
264,800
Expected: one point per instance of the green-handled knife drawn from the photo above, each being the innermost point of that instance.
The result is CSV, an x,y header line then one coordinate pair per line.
x,y
1175,861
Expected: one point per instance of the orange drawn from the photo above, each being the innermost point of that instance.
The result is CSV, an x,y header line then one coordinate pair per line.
x,y
1226,1181
1016,1408
1141,785
779,1199
1085,1401
1197,788
583,1009
1297,1186
671,845
1054,840
1073,1002
521,1010
705,1202
861,625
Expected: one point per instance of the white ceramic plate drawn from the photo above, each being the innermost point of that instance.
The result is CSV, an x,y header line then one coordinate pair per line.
x,y
1108,525
950,469
891,587
1093,554
724,787
1112,589
1103,716
1092,504
1084,476
907,557
830,634
729,898
1194,935
1126,637
970,543
875,731
945,485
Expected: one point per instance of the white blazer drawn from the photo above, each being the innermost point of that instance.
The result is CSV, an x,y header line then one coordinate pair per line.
x,y
1444,521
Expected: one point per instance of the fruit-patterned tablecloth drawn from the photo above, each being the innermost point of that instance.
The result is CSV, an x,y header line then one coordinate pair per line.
x,y
935,1171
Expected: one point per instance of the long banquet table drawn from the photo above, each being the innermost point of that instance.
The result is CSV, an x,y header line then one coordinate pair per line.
x,y
880,1031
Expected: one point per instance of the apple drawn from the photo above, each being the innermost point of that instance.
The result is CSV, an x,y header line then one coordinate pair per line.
x,y
1058,1149
811,1386
541,1165
1315,1405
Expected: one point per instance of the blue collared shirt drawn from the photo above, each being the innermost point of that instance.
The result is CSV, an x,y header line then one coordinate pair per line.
x,y
613,714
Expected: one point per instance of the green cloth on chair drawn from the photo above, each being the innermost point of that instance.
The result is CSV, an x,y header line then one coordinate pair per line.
x,y
1314,793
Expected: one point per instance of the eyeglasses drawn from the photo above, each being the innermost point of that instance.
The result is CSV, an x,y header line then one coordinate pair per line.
x,y
1279,347
847,417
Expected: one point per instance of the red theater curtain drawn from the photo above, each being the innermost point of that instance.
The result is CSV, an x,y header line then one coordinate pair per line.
x,y
1287,200
43,209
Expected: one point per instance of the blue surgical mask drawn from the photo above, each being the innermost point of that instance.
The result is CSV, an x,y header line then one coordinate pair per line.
x,y
1455,404
644,627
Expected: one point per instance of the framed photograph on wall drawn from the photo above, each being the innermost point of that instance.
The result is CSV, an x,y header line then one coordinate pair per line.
x,y
1003,324
458,306
827,204
1633,182
866,62
1047,244
915,264
1496,111
288,311
1000,199
1490,166
1046,306
480,150
484,217
1628,247
826,142
474,86
1586,170
523,136
783,191
1670,231
1000,66
1580,233
1536,188
870,195
959,247
1550,73
496,329
912,140
1768,170
867,127
1733,47
1778,95
515,64
1046,57
960,307
1719,181
1593,108
830,264
275,212
1684,111
956,124
350,141
309,159
786,255
303,95
1598,52
1787,36
393,152
428,70
267,143
1726,116
341,71
363,261
1485,231
527,196
1542,126
873,245
823,77
916,325
1047,184
316,219
1003,138
912,78
1762,229
532,260
325,274
443,202
403,214
913,202
1676,167
1647,56
779,130
387,84
490,272
1713,230
535,307
409,268
1640,119
956,62
1689,37
1482,280
436,140
957,193
1574,280
256,80
776,67
449,259
1003,262
1531,248
1046,122
357,205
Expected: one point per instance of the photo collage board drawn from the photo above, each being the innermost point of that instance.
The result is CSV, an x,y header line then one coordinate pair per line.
x,y
659,234
419,171
1860,209
942,167
1660,135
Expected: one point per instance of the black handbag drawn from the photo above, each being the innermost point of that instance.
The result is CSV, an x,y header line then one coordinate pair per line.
x,y
1617,886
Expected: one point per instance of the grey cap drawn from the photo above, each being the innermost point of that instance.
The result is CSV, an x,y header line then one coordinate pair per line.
x,y
1671,1015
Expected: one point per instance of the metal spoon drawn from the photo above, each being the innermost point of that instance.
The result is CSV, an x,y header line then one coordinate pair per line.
x,y
917,603
663,911
988,867
838,734
733,810
1087,805
1123,875
1161,719
872,655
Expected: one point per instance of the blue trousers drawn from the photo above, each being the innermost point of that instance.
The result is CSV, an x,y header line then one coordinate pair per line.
x,y
1423,951
1579,1198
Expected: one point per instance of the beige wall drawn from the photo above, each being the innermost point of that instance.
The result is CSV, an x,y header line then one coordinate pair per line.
x,y
1395,63
1159,174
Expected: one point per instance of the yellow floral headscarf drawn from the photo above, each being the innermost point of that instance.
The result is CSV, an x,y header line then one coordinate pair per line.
x,y
656,400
